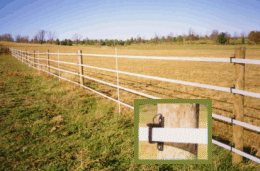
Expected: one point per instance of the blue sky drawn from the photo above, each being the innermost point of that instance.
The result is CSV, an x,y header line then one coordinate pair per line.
x,y
125,19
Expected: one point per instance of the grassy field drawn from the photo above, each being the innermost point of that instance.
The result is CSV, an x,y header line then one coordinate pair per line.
x,y
210,73
221,157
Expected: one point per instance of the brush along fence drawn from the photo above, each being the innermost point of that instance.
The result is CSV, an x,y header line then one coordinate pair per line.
x,y
237,90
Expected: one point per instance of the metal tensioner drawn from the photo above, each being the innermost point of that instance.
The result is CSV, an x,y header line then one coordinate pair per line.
x,y
160,124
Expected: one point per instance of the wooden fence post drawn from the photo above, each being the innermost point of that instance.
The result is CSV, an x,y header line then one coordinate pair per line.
x,y
34,59
81,78
48,62
38,62
29,60
179,116
117,81
26,57
238,106
21,52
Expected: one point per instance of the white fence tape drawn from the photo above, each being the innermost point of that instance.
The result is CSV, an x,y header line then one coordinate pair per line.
x,y
175,135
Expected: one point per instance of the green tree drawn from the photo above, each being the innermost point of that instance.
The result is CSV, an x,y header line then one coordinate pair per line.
x,y
127,42
69,42
116,42
107,42
57,42
179,38
243,40
163,39
222,38
91,42
131,40
111,42
102,43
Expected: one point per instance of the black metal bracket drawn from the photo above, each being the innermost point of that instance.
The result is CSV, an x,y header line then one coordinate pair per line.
x,y
233,57
160,124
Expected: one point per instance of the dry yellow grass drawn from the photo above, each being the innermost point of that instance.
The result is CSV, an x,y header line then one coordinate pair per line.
x,y
211,73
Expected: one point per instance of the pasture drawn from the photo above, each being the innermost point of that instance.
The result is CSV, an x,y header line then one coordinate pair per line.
x,y
211,73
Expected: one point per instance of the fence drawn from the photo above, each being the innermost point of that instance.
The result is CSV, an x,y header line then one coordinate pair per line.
x,y
239,93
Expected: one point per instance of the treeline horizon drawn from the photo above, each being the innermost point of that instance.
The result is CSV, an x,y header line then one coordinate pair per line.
x,y
50,37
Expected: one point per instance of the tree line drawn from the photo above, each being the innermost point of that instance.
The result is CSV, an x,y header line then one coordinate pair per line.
x,y
50,37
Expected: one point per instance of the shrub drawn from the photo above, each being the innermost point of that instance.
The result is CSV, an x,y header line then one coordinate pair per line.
x,y
222,38
243,40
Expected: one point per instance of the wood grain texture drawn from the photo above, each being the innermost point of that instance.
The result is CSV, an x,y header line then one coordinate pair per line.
x,y
178,116
238,106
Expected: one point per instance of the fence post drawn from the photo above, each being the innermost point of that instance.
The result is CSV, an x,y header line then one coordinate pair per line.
x,y
21,54
38,62
34,59
29,61
48,62
81,78
238,106
117,80
59,64
179,116
26,58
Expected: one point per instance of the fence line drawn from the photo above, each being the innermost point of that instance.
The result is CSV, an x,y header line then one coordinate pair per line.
x,y
231,90
228,60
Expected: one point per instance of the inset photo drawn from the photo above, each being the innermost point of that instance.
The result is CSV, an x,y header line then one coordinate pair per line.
x,y
173,131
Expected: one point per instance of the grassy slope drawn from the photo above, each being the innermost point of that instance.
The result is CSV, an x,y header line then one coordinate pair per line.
x,y
48,126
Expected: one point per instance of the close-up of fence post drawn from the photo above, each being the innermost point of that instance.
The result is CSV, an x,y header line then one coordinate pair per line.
x,y
178,116
81,78
238,106
117,80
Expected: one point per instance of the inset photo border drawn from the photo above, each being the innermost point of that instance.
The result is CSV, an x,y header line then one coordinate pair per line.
x,y
155,120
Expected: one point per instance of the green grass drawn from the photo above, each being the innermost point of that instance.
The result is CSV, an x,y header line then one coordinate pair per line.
x,y
46,127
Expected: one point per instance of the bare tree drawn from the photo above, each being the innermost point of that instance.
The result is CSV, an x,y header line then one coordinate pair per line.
x,y
169,37
76,37
184,38
35,38
143,39
191,34
26,39
18,38
7,37
41,36
228,37
52,36
156,38
214,36
235,37
243,37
